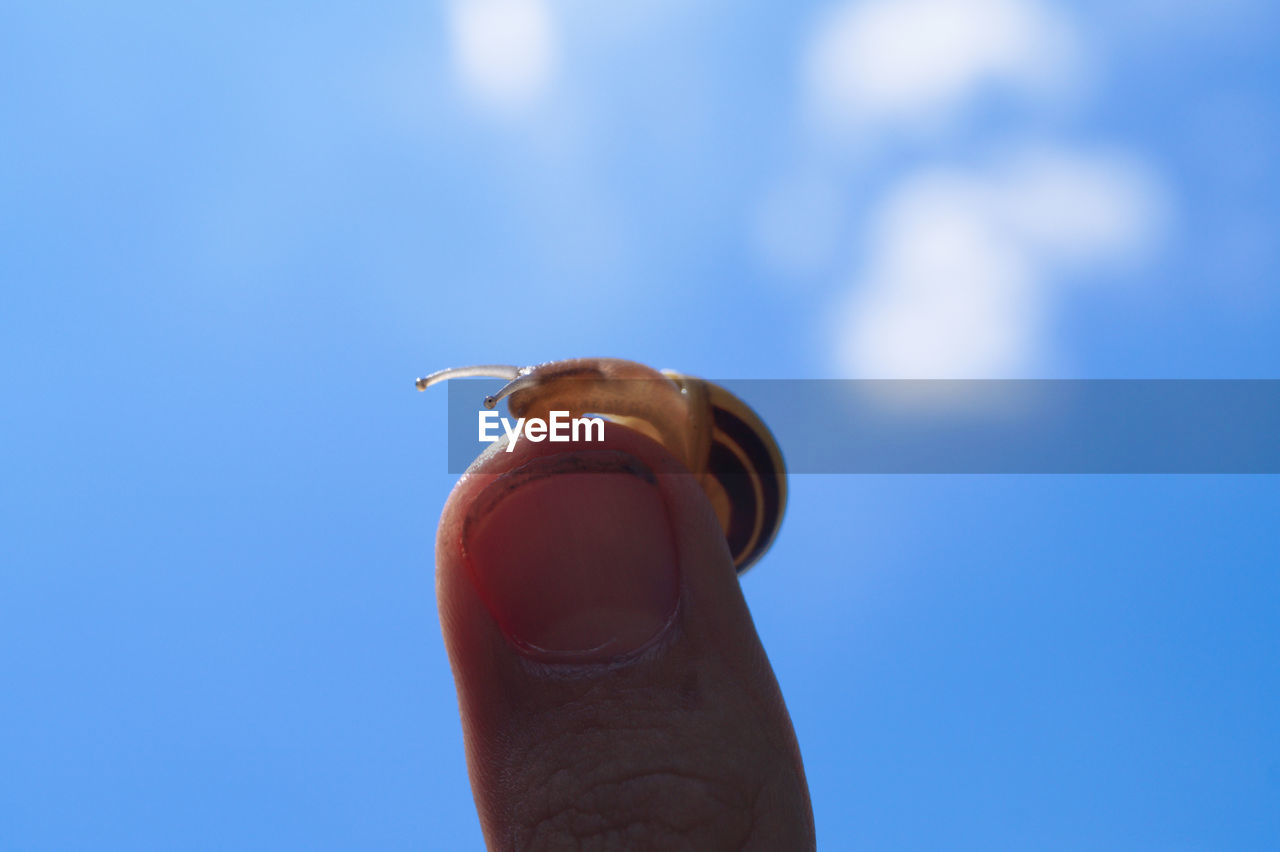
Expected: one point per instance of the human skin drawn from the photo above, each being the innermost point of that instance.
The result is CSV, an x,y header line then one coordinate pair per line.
x,y
613,691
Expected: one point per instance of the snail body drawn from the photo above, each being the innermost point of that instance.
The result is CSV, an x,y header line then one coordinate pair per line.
x,y
712,432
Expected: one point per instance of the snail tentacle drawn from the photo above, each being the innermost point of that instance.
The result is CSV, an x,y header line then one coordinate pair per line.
x,y
495,371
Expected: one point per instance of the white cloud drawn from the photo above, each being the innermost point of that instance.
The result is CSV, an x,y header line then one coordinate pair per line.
x,y
961,264
504,51
913,62
958,266
1072,207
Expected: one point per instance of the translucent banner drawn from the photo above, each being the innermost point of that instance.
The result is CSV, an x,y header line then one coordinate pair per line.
x,y
1034,426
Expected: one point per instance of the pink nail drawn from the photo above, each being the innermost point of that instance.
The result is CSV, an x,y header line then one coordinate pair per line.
x,y
575,557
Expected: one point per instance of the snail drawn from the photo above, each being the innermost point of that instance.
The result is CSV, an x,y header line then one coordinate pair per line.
x,y
712,432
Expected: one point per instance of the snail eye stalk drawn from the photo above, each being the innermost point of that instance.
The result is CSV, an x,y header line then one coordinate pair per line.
x,y
493,371
524,379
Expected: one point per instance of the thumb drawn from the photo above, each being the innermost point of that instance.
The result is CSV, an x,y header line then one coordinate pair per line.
x,y
613,691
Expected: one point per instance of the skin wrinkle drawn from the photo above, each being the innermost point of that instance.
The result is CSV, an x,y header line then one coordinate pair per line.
x,y
681,795
631,725
615,790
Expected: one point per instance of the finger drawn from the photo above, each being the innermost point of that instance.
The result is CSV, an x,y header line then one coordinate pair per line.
x,y
613,691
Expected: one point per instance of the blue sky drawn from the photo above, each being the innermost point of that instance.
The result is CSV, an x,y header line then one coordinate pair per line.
x,y
233,234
